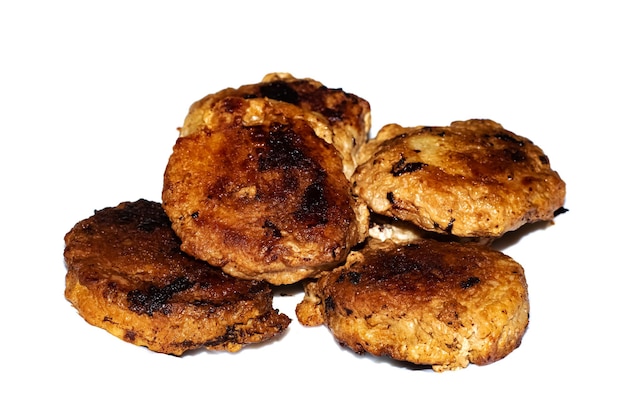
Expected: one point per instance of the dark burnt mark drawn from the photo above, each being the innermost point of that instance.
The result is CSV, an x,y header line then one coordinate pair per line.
x,y
433,130
130,335
449,227
470,282
194,215
314,206
333,115
353,276
329,302
399,264
348,312
272,228
281,91
231,335
156,299
402,167
506,137
544,160
231,104
149,225
560,210
390,197
281,149
518,156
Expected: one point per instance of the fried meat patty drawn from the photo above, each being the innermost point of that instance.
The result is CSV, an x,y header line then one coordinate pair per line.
x,y
127,275
442,304
259,193
347,115
470,179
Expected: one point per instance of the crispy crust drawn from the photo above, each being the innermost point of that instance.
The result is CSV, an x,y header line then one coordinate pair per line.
x,y
127,275
347,115
469,179
443,304
258,193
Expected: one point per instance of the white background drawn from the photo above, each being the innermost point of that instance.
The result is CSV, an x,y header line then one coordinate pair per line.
x,y
91,94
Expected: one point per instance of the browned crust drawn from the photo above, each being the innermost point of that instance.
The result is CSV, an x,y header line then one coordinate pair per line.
x,y
470,179
258,193
443,304
127,275
348,116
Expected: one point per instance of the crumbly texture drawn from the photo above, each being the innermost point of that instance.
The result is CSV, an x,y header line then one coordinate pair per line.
x,y
347,116
470,179
442,304
127,275
259,193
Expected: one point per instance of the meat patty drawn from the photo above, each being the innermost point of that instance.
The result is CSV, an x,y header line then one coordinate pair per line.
x,y
259,193
127,275
347,115
470,179
442,304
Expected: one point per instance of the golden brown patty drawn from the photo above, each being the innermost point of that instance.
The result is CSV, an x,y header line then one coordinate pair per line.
x,y
127,275
443,304
258,193
470,179
347,115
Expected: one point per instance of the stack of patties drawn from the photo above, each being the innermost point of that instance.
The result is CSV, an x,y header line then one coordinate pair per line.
x,y
256,193
276,183
427,288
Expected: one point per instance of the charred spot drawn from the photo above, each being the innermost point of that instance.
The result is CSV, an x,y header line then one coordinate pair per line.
x,y
470,282
503,136
518,156
544,160
149,225
194,215
402,167
560,210
349,311
155,299
280,150
272,228
399,264
333,115
354,277
231,335
130,335
390,197
449,226
231,104
313,206
281,91
329,302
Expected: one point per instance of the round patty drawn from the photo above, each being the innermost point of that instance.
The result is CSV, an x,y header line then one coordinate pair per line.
x,y
260,194
443,304
347,115
127,275
469,179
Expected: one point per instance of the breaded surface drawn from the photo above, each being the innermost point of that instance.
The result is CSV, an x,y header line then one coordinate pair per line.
x,y
347,115
470,179
443,304
258,193
127,275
